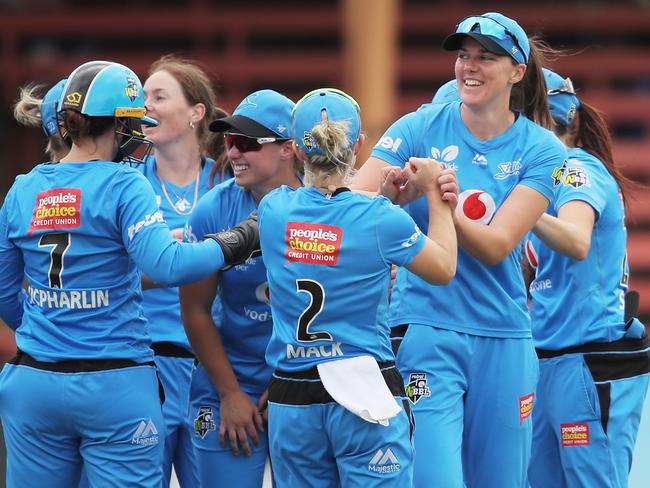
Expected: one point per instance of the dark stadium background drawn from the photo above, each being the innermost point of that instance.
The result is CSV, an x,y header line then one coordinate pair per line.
x,y
386,53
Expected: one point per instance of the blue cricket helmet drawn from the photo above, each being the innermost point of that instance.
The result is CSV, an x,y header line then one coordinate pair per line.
x,y
49,109
105,89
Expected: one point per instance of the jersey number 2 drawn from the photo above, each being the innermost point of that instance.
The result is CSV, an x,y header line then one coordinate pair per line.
x,y
317,299
60,242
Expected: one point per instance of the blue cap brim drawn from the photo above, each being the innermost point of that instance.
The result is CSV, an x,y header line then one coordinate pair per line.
x,y
454,42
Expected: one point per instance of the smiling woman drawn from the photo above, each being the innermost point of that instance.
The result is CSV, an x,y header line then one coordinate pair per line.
x,y
470,348
229,384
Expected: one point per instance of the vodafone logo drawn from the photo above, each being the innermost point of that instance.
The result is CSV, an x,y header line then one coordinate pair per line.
x,y
262,293
531,254
476,205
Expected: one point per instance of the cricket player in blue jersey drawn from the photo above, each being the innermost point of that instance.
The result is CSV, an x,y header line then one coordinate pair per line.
x,y
338,415
83,389
594,364
32,111
179,96
446,93
229,384
468,357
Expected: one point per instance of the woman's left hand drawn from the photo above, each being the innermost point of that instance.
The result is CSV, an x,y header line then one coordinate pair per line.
x,y
449,188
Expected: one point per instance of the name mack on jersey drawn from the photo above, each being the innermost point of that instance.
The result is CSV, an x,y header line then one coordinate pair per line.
x,y
323,351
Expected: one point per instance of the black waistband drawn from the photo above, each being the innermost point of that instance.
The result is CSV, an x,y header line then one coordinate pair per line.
x,y
169,349
399,331
622,345
76,365
305,387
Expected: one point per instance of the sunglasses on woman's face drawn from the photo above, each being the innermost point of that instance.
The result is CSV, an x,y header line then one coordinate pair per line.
x,y
489,27
248,144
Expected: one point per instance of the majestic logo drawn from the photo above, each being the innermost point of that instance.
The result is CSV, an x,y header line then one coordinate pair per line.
x,y
558,173
313,243
204,422
506,170
146,434
384,462
73,98
574,434
417,387
131,89
480,160
526,406
476,205
56,209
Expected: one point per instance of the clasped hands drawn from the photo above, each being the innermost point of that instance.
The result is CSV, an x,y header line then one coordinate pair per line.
x,y
420,176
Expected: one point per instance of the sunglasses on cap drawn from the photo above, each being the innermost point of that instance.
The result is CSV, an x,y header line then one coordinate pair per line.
x,y
489,27
567,87
249,144
330,90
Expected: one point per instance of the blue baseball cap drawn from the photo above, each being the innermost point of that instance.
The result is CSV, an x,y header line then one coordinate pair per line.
x,y
447,93
324,104
562,98
495,32
264,113
49,106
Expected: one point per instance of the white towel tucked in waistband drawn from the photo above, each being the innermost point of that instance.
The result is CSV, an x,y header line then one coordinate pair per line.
x,y
358,385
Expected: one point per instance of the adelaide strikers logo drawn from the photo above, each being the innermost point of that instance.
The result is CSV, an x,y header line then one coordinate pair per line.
x,y
204,422
131,89
476,205
417,387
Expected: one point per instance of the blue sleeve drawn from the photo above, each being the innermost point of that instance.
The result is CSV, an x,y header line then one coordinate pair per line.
x,y
538,170
399,237
13,272
400,140
148,239
202,221
582,182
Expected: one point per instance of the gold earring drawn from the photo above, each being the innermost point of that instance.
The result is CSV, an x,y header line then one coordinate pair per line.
x,y
192,125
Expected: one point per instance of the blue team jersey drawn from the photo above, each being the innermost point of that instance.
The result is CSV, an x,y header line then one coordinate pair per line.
x,y
244,317
328,264
161,305
481,300
577,302
75,232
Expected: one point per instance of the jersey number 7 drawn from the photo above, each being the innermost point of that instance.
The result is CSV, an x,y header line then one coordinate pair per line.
x,y
60,242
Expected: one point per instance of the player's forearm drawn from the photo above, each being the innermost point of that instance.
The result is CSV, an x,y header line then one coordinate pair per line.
x,y
563,237
207,345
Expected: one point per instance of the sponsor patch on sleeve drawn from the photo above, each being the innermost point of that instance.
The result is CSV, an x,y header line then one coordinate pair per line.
x,y
526,406
574,434
56,209
575,177
313,243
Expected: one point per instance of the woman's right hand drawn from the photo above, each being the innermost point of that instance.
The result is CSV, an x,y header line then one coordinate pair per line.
x,y
423,174
240,419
